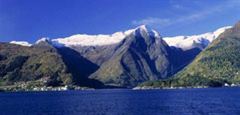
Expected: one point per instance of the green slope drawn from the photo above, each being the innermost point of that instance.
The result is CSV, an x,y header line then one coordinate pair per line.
x,y
43,65
40,62
216,65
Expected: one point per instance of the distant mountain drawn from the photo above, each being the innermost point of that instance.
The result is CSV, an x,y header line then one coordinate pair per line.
x,y
185,48
195,41
92,40
96,48
142,56
218,64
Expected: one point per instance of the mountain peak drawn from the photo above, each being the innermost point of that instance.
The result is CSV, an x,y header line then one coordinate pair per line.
x,y
144,29
44,39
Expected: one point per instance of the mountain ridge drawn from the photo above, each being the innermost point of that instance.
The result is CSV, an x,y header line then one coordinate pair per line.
x,y
117,37
135,60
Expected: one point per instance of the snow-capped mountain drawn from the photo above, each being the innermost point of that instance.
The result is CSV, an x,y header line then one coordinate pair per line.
x,y
127,58
92,40
22,43
44,39
194,41
183,42
98,51
141,56
100,40
123,59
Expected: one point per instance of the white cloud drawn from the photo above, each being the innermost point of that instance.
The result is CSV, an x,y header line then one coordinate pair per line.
x,y
177,6
152,21
195,16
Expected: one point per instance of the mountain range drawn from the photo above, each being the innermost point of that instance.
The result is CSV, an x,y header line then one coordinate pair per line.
x,y
123,59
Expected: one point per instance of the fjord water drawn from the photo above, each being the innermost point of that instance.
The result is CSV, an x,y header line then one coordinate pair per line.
x,y
215,101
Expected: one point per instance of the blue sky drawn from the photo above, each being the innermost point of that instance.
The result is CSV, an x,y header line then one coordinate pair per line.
x,y
30,20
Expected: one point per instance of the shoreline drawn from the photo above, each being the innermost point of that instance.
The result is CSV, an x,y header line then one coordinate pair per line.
x,y
190,87
60,89
43,89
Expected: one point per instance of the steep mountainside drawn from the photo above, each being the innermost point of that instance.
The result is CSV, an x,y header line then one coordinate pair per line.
x,y
185,48
215,66
19,63
39,64
95,48
181,58
79,67
96,54
141,57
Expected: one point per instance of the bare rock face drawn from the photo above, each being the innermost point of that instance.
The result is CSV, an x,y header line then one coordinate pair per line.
x,y
140,57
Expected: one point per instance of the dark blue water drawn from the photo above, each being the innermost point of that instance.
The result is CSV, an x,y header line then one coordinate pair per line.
x,y
215,101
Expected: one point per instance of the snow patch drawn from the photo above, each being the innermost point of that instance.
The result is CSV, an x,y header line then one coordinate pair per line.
x,y
184,42
44,39
101,39
150,32
22,43
91,40
195,41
